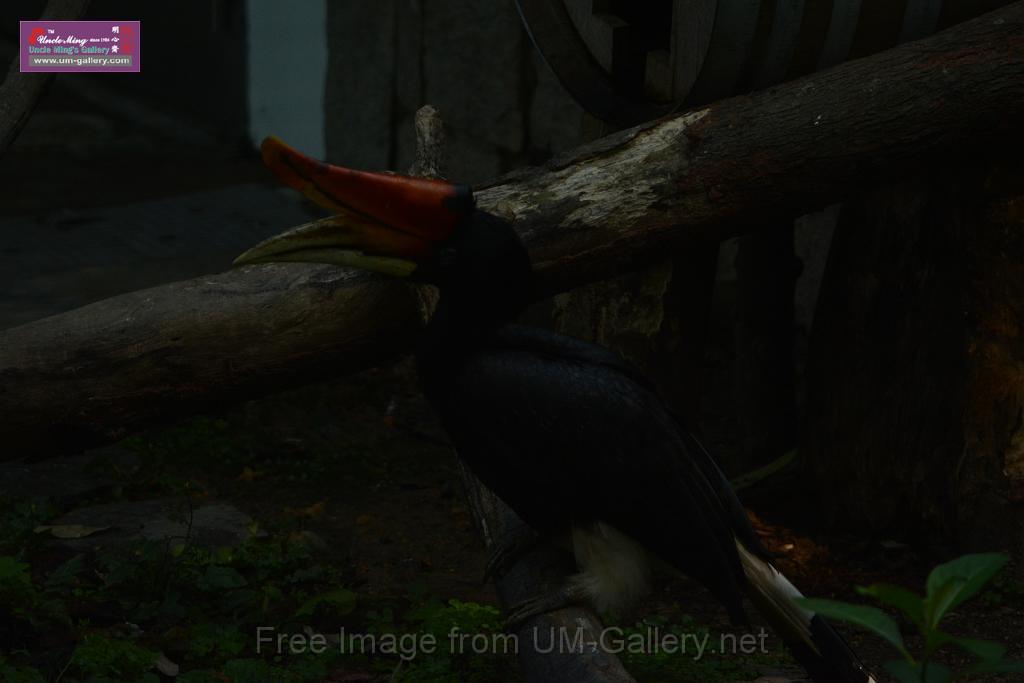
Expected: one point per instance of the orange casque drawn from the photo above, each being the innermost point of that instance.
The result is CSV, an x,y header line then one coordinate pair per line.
x,y
424,207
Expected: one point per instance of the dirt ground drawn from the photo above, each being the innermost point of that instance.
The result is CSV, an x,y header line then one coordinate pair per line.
x,y
393,515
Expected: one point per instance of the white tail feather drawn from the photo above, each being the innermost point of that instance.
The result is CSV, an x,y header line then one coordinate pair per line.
x,y
773,594
770,587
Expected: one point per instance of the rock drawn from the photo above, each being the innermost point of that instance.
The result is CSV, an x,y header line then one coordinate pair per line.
x,y
212,525
69,480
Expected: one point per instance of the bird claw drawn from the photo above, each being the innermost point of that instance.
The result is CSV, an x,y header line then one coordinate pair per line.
x,y
507,549
522,612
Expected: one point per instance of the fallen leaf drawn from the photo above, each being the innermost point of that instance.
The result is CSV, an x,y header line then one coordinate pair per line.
x,y
70,530
249,474
166,666
315,510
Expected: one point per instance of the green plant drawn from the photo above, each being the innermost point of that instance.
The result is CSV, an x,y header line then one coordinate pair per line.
x,y
209,639
949,585
20,597
472,645
685,650
17,521
19,674
98,657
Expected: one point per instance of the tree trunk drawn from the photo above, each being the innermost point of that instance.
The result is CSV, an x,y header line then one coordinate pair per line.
x,y
915,383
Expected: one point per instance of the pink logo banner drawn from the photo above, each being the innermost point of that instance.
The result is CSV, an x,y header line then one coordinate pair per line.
x,y
80,46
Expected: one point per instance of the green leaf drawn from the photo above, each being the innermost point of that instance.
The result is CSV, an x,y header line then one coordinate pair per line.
x,y
223,578
870,618
100,657
952,583
19,674
66,572
936,673
986,650
904,671
247,670
938,603
13,572
906,601
910,672
340,602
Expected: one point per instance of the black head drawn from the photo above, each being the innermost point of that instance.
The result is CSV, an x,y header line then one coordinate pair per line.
x,y
483,270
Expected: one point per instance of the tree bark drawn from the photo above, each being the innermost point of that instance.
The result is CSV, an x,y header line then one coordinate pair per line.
x,y
102,371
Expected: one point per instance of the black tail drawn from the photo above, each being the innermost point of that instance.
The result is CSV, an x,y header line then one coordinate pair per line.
x,y
813,642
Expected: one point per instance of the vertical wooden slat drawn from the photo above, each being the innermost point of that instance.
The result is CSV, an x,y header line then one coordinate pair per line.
x,y
764,336
878,27
771,65
841,30
920,19
693,23
955,11
731,43
810,43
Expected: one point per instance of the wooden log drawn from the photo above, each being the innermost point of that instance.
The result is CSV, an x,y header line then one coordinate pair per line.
x,y
97,373
542,657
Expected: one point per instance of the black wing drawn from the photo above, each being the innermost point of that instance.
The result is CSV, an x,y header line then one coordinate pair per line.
x,y
565,431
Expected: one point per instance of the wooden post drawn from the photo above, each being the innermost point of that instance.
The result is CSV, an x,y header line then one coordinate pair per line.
x,y
915,396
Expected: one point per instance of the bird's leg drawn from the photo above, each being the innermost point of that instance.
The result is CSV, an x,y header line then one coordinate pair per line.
x,y
571,592
505,550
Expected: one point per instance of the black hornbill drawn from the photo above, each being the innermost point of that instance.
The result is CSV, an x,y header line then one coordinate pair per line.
x,y
568,434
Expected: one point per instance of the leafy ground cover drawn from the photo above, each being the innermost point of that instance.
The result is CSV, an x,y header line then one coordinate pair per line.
x,y
358,530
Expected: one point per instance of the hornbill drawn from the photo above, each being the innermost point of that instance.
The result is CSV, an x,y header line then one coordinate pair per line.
x,y
565,432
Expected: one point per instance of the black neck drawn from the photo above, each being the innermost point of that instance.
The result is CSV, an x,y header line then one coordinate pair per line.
x,y
485,286
452,333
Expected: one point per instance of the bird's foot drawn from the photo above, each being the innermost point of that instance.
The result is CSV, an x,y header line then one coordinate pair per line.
x,y
507,549
567,595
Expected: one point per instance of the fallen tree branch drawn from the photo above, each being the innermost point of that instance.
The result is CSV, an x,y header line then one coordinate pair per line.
x,y
97,373
20,92
538,570
563,646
